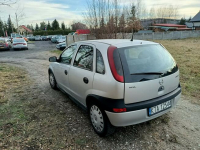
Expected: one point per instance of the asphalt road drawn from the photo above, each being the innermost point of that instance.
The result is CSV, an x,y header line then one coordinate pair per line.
x,y
180,131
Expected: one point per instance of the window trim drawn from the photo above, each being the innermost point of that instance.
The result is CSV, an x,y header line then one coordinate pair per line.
x,y
64,51
103,63
92,58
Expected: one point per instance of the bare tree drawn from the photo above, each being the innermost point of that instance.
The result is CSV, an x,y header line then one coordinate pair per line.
x,y
176,12
106,18
7,2
152,13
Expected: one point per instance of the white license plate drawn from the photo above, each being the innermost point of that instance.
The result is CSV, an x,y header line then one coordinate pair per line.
x,y
161,107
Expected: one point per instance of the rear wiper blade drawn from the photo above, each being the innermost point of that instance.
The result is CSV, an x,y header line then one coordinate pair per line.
x,y
148,73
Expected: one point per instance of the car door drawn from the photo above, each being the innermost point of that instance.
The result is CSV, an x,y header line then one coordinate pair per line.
x,y
62,68
82,73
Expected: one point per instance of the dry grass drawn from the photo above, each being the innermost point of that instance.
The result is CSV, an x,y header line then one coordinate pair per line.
x,y
187,54
57,52
11,78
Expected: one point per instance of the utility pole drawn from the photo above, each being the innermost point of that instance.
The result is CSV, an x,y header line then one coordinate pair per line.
x,y
2,27
17,23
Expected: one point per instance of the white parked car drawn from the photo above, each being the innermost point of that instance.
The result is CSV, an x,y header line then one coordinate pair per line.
x,y
19,43
61,46
61,39
119,82
38,38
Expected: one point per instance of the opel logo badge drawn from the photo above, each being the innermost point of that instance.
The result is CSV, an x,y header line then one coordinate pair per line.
x,y
161,82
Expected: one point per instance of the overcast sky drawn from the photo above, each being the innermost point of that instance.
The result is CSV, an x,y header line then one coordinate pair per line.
x,y
69,10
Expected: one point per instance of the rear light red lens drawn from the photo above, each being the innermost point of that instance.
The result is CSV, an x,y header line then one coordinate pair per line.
x,y
7,45
118,110
24,44
117,77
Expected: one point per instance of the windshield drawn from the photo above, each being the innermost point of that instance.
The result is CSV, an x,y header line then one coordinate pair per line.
x,y
148,59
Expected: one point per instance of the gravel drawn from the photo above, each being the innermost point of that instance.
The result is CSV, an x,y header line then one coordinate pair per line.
x,y
178,129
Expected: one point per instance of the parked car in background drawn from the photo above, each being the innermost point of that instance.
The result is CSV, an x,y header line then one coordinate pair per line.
x,y
38,38
61,46
5,44
19,43
54,39
119,82
61,39
25,38
44,38
49,37
32,38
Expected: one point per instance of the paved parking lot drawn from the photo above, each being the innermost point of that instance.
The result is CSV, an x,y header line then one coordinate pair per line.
x,y
179,129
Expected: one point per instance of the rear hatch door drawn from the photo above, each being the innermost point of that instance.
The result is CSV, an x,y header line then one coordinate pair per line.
x,y
149,72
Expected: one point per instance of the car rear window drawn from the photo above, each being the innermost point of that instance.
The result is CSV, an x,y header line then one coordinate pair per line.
x,y
145,61
148,58
19,40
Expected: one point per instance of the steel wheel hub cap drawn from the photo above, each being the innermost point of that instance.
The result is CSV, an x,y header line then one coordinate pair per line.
x,y
97,118
52,80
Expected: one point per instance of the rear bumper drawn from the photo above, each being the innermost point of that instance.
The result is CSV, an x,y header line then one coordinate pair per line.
x,y
141,115
20,47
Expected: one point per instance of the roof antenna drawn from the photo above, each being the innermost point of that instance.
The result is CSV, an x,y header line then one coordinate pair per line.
x,y
132,35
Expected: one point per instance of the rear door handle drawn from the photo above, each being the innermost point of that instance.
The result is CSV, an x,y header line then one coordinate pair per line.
x,y
66,72
85,80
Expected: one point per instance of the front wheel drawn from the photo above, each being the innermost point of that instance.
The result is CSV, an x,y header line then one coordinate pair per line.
x,y
99,121
52,81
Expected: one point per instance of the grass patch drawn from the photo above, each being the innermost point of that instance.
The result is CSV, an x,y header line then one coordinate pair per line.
x,y
11,78
187,54
31,42
57,52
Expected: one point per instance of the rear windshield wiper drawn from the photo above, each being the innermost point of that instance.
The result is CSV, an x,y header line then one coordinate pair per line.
x,y
148,73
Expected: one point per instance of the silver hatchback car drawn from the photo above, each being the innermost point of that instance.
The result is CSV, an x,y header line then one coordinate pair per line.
x,y
119,82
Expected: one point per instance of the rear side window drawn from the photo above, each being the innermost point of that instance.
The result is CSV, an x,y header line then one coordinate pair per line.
x,y
100,68
84,57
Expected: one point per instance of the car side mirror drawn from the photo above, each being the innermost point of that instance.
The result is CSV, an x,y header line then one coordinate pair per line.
x,y
53,59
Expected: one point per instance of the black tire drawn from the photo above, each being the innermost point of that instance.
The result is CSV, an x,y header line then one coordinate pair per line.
x,y
52,81
107,128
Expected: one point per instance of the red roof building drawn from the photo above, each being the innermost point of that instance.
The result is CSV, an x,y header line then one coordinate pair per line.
x,y
171,25
23,29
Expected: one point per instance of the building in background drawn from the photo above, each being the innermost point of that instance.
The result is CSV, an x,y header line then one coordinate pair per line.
x,y
168,27
149,22
196,21
23,30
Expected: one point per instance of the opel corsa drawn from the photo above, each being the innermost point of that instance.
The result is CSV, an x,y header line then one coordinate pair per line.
x,y
119,82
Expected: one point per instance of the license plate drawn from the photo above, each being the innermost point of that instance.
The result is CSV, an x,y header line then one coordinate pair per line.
x,y
161,107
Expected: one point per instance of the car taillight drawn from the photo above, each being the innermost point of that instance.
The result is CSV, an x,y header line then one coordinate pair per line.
x,y
115,64
24,43
6,45
118,110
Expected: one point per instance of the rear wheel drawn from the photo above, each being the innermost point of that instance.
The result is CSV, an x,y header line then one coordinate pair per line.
x,y
99,121
52,81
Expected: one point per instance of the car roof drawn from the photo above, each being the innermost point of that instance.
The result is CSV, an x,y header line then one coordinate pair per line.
x,y
119,42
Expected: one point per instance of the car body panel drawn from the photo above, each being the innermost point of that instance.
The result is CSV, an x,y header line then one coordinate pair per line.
x,y
19,44
142,91
130,95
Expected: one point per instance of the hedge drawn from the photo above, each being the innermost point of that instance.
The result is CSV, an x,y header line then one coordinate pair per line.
x,y
52,32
